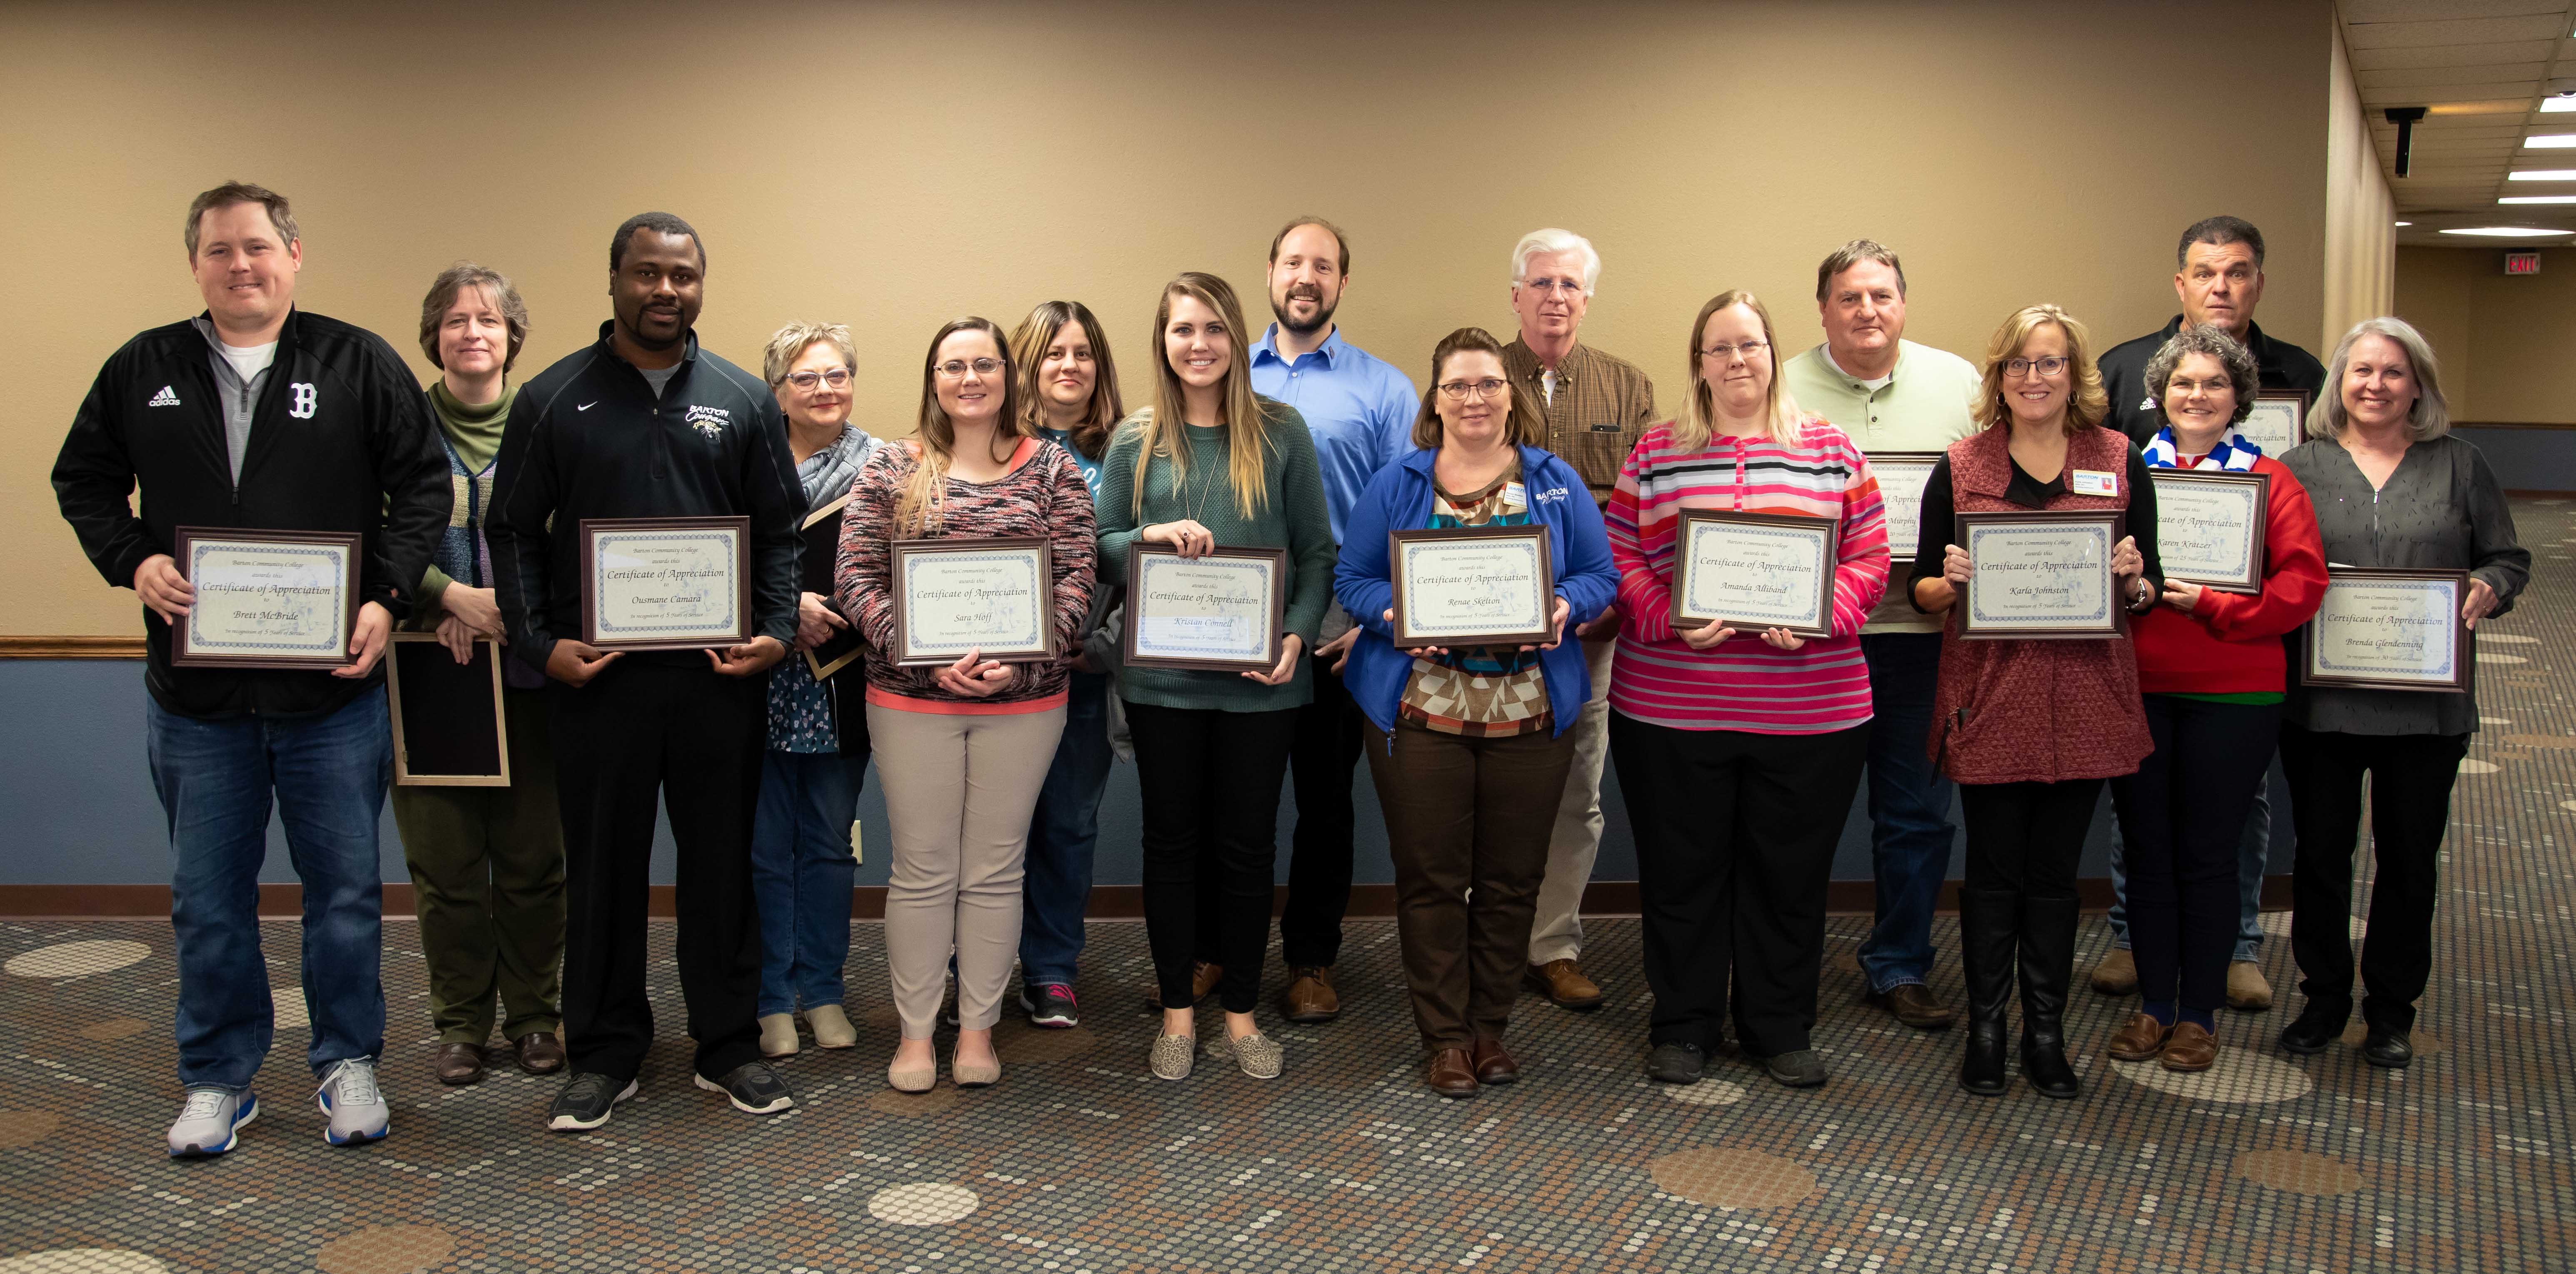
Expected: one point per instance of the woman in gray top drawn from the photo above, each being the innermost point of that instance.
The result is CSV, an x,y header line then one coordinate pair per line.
x,y
2391,489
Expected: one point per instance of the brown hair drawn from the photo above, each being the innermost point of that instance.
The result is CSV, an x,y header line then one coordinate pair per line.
x,y
1340,241
1699,414
1245,416
2085,407
1028,350
1522,426
1852,254
443,292
917,512
233,192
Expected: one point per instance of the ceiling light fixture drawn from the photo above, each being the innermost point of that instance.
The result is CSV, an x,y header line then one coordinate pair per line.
x,y
2558,105
2403,224
2507,232
2538,199
2543,174
2550,141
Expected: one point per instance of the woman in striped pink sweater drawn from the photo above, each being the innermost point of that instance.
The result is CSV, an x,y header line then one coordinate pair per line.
x,y
1738,751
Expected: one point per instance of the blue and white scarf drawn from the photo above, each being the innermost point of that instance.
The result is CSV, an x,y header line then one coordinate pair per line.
x,y
2232,452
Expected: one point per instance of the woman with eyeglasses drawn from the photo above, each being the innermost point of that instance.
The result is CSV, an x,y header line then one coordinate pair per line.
x,y
2030,729
1068,396
1469,745
1738,751
1211,465
962,748
801,864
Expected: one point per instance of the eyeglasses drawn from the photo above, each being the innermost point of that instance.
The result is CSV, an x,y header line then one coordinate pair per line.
x,y
955,369
1568,288
1722,351
2214,385
1488,389
837,378
2049,366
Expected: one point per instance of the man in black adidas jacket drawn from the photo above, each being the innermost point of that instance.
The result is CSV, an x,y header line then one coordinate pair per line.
x,y
644,424
258,415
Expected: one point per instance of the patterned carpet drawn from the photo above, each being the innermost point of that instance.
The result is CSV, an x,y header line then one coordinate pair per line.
x,y
1080,1162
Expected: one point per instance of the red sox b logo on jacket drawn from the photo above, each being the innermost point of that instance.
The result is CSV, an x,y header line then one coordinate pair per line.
x,y
303,398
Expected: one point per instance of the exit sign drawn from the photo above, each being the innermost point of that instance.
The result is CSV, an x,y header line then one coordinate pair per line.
x,y
2522,263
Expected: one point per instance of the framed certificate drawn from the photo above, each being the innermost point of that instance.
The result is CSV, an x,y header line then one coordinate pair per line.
x,y
267,599
821,556
1901,476
2390,630
1221,612
1471,586
1755,570
448,728
665,583
995,596
2278,422
2209,526
2041,574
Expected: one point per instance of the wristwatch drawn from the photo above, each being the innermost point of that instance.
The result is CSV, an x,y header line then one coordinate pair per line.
x,y
2144,599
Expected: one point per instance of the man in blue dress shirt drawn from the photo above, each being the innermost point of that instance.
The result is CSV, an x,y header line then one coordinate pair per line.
x,y
1361,412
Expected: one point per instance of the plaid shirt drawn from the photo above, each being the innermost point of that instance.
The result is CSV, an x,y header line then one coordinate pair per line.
x,y
1603,404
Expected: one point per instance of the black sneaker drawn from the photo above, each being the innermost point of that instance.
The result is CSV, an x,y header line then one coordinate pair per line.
x,y
1676,1064
585,1102
1054,1007
752,1087
1798,1068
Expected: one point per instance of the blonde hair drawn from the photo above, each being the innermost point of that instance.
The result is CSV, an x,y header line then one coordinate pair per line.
x,y
2085,407
1522,426
1698,420
789,343
1028,348
916,513
1243,415
2428,419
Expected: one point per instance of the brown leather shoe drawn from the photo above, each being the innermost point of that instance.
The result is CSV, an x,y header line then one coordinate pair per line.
x,y
1203,979
2140,1039
540,1053
1310,998
1494,1063
458,1064
1562,981
1451,1074
2190,1048
1915,1005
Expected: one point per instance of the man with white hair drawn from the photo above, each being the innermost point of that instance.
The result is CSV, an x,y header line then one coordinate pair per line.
x,y
1595,405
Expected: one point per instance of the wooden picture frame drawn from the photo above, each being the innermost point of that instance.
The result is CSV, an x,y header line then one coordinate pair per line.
x,y
1176,650
441,710
904,556
2104,527
1814,541
646,632
1529,543
2244,572
2315,660
1905,525
2272,439
198,551
816,567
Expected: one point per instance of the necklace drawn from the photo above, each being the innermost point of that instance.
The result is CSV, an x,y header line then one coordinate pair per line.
x,y
1206,485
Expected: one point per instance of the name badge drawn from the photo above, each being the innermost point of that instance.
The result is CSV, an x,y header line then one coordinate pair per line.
x,y
2096,482
1611,428
1515,497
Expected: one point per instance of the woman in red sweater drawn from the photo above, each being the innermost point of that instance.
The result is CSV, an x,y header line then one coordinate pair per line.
x,y
2211,673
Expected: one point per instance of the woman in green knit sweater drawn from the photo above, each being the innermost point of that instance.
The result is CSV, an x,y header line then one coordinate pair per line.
x,y
1212,465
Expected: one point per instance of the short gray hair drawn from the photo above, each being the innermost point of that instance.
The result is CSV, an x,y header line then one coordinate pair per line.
x,y
2429,419
1548,243
2213,340
789,343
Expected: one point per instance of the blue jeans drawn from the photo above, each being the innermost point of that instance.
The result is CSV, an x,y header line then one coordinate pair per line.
x,y
1909,808
326,776
1063,830
801,873
2251,856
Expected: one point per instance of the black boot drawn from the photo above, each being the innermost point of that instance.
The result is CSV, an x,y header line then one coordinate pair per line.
x,y
2047,965
1986,958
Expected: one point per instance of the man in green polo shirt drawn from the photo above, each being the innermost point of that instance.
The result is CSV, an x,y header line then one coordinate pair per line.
x,y
1892,395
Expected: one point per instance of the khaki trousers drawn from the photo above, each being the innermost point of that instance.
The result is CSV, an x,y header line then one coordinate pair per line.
x,y
959,790
1556,933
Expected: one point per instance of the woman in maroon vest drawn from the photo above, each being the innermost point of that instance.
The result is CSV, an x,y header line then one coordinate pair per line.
x,y
2030,729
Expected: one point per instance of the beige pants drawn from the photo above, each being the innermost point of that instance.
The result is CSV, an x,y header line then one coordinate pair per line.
x,y
958,791
1556,932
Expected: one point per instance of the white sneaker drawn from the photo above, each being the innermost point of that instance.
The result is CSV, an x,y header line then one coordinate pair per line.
x,y
210,1123
355,1105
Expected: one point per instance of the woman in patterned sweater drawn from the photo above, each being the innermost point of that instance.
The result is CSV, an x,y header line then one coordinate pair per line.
x,y
962,748
1738,752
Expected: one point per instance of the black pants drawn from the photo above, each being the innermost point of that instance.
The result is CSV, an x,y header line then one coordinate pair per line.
x,y
2410,805
1735,842
1324,757
1210,787
2182,821
698,738
2025,838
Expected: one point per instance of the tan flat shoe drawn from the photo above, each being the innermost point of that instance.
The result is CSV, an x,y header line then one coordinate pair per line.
x,y
970,1075
778,1035
919,1079
832,1027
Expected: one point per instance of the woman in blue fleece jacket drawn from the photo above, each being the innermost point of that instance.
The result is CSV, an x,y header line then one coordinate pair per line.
x,y
1468,746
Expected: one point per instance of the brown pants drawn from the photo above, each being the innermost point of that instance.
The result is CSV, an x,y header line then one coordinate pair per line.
x,y
1468,821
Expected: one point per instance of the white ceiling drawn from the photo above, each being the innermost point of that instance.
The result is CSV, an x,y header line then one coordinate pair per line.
x,y
2483,67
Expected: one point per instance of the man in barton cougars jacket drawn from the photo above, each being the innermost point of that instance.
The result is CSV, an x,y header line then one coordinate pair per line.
x,y
644,424
259,416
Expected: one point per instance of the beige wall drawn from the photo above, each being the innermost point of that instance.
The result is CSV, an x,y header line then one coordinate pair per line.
x,y
2361,213
895,165
2504,341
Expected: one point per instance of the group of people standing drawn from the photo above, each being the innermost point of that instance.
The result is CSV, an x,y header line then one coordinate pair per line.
x,y
1737,751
